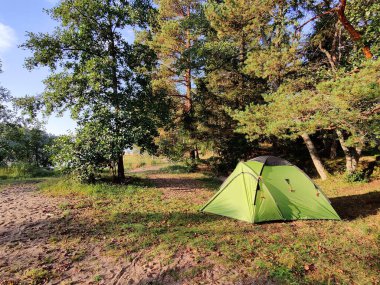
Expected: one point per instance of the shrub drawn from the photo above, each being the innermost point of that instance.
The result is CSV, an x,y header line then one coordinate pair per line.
x,y
24,170
357,176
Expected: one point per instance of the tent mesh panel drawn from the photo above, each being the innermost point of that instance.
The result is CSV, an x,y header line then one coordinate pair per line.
x,y
271,160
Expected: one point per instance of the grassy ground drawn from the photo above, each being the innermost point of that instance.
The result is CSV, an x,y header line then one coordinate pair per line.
x,y
157,218
23,171
133,160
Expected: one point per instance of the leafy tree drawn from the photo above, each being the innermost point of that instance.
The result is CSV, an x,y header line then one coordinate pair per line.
x,y
24,144
354,109
342,46
349,104
5,113
98,75
359,13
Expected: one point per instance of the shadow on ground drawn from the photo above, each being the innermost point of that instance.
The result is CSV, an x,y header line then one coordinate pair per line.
x,y
77,226
348,207
355,206
185,184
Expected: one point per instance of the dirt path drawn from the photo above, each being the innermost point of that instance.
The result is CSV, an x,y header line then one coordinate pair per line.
x,y
55,240
23,213
31,224
47,240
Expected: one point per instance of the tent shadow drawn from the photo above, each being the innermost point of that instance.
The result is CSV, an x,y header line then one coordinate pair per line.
x,y
357,206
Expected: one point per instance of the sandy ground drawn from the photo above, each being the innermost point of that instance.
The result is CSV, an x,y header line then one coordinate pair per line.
x,y
33,229
29,222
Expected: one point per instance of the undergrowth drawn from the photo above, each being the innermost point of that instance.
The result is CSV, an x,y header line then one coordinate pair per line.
x,y
24,171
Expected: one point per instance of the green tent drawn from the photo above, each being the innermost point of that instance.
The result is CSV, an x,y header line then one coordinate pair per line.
x,y
269,188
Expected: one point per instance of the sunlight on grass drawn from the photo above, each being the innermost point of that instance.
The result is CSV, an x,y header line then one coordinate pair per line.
x,y
139,217
23,171
136,160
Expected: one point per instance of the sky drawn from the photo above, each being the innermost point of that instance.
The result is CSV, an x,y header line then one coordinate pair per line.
x,y
16,18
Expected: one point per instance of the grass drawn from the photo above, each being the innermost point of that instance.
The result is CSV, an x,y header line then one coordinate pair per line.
x,y
177,169
132,161
126,220
24,171
37,276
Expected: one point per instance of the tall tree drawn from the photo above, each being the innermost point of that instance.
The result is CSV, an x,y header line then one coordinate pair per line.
x,y
291,112
348,104
246,53
97,73
176,37
342,34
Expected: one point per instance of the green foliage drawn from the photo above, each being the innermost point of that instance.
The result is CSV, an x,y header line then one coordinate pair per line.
x,y
299,106
357,176
225,76
5,112
24,170
102,79
24,144
174,143
37,276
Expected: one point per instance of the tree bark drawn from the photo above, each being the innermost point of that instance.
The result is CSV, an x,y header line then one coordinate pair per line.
x,y
354,34
314,156
115,89
333,149
351,154
120,168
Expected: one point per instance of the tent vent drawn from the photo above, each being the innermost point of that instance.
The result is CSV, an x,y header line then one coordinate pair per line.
x,y
271,160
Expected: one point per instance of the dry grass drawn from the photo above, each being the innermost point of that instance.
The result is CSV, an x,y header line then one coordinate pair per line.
x,y
136,160
158,218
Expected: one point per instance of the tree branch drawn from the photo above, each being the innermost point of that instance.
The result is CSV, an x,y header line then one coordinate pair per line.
x,y
340,12
331,11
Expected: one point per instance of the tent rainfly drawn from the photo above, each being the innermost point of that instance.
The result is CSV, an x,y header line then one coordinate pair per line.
x,y
269,188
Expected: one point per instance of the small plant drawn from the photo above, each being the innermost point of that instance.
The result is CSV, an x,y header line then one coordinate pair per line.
x,y
78,256
64,206
98,278
357,176
37,275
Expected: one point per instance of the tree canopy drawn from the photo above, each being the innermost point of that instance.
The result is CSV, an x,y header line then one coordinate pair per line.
x,y
225,77
99,76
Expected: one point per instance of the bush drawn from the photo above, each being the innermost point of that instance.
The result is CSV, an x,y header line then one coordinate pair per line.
x,y
24,170
357,176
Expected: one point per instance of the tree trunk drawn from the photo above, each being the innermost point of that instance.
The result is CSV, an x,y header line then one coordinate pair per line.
x,y
314,156
333,149
116,102
196,152
188,70
354,34
351,154
120,168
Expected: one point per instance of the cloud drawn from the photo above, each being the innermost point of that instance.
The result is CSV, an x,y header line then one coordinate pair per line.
x,y
7,37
